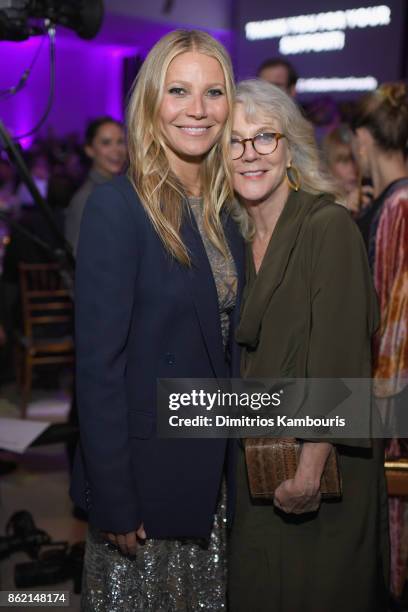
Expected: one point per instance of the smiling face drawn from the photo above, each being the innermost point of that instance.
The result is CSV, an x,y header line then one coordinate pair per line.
x,y
194,107
108,150
257,177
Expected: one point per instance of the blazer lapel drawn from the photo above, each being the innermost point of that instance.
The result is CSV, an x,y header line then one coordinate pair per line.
x,y
273,266
201,285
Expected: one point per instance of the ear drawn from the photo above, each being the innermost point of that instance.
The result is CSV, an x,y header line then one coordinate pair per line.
x,y
89,152
288,156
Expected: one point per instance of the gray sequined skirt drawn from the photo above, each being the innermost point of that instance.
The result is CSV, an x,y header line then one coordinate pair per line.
x,y
164,576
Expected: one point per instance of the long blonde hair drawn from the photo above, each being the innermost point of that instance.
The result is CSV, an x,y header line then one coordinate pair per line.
x,y
159,190
262,100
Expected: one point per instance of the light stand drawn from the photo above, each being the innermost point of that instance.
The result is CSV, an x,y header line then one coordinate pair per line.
x,y
62,255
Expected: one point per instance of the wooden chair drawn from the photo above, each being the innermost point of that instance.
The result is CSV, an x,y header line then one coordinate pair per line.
x,y
47,312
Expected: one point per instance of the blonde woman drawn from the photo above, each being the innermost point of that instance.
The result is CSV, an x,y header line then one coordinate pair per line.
x,y
309,311
158,279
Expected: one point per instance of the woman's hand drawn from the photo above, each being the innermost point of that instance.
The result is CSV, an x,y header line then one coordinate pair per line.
x,y
127,543
296,497
301,493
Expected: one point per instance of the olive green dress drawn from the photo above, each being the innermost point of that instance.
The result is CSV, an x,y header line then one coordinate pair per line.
x,y
310,312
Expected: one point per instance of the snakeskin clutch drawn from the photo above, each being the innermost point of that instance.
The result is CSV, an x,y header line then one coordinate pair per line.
x,y
270,461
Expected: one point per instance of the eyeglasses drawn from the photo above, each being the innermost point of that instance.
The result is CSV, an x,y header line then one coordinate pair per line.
x,y
264,144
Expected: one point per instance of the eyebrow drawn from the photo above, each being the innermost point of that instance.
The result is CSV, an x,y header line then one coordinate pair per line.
x,y
188,83
259,130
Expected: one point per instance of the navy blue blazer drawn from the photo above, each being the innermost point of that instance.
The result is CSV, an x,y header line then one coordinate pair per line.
x,y
140,316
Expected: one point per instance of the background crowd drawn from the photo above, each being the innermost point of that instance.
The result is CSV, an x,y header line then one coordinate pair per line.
x,y
60,166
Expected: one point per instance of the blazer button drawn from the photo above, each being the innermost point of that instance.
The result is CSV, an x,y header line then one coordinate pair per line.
x,y
88,497
170,359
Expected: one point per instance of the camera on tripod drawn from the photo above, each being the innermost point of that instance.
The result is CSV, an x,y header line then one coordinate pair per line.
x,y
57,563
52,567
18,18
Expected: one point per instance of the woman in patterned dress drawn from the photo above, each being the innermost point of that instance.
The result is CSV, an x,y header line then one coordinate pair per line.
x,y
380,129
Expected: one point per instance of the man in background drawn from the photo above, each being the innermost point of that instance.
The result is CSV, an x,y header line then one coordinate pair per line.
x,y
279,72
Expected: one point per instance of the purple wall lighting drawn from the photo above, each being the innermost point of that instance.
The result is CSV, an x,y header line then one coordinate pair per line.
x,y
89,74
88,83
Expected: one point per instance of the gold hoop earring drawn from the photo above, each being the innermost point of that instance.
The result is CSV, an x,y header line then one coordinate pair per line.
x,y
293,177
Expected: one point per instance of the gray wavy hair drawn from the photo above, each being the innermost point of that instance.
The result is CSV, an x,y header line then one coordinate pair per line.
x,y
263,101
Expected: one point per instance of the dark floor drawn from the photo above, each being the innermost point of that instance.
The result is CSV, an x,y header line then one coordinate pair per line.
x,y
39,485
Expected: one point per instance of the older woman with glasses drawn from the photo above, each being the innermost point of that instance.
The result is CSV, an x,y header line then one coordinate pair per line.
x,y
309,312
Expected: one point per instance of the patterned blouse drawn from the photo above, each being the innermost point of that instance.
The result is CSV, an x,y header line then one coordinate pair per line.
x,y
391,283
224,270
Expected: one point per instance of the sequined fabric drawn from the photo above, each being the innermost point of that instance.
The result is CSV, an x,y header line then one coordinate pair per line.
x,y
164,576
167,575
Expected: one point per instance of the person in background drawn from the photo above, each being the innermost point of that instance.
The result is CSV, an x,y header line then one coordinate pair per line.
x,y
106,148
21,249
8,183
309,311
61,189
340,161
6,466
39,167
3,333
74,167
279,72
380,127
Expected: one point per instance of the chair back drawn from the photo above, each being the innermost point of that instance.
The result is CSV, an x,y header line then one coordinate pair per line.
x,y
47,306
